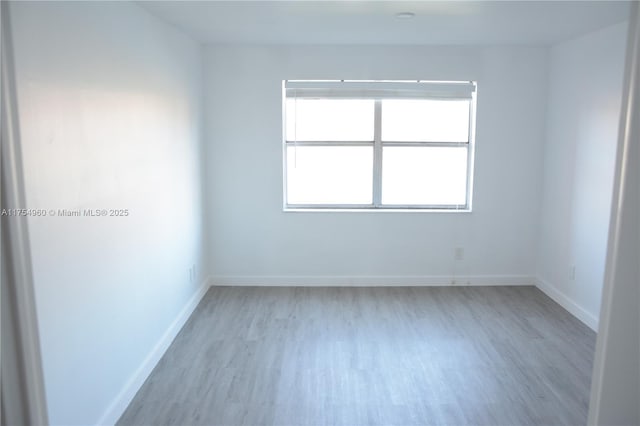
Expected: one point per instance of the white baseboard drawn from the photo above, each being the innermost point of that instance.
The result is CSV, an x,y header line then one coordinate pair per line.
x,y
572,307
371,281
129,390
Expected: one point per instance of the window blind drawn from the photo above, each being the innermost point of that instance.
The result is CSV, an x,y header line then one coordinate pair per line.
x,y
380,89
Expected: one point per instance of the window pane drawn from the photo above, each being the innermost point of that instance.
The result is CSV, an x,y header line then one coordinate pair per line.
x,y
329,119
418,120
424,175
329,175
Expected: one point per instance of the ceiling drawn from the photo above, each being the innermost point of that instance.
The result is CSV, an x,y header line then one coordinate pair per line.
x,y
374,22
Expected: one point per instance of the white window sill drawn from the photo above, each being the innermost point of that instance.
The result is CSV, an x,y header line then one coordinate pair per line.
x,y
378,210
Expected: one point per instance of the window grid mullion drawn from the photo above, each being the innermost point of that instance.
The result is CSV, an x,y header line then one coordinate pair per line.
x,y
428,144
329,143
377,154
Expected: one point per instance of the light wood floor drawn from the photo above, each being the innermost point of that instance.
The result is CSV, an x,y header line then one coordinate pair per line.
x,y
367,356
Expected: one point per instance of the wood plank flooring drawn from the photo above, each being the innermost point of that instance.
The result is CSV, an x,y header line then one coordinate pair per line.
x,y
372,356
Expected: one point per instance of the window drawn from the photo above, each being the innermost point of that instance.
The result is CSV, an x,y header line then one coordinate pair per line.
x,y
378,145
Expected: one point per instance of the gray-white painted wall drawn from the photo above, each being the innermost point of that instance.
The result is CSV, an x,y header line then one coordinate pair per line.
x,y
110,117
253,241
585,95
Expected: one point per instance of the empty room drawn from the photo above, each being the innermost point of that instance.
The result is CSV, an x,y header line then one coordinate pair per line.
x,y
320,213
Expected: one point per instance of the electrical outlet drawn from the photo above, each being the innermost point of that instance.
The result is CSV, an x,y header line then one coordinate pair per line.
x,y
458,253
572,272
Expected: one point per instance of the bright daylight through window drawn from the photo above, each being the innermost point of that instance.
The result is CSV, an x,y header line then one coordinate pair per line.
x,y
378,145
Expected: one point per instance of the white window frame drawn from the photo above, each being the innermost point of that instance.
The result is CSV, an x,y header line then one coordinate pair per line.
x,y
379,90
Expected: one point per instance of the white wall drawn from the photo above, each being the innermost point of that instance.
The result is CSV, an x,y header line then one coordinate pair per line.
x,y
110,109
585,89
253,241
